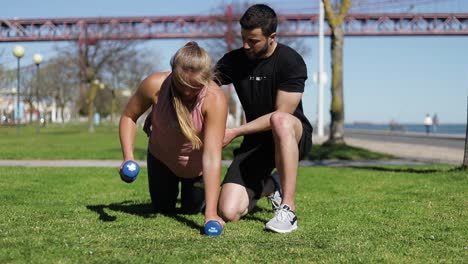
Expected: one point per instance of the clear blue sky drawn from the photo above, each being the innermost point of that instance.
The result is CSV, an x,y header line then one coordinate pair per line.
x,y
400,78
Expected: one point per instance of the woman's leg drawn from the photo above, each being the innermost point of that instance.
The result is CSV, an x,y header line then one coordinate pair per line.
x,y
163,185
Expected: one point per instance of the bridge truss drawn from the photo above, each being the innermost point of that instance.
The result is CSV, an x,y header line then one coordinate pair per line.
x,y
172,27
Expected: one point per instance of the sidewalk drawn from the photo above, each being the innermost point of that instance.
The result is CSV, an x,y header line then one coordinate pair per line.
x,y
408,152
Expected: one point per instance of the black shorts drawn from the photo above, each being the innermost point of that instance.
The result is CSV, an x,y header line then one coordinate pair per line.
x,y
253,163
164,189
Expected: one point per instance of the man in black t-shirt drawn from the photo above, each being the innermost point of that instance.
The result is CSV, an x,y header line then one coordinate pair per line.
x,y
269,80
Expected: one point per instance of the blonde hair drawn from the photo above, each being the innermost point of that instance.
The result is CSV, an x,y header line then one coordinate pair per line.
x,y
189,58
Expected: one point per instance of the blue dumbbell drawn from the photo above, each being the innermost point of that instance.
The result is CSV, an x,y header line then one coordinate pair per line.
x,y
129,171
213,228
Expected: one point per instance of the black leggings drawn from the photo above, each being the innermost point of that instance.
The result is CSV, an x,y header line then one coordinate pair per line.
x,y
164,189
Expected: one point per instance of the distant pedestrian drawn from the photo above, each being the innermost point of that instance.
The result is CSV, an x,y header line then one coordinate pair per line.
x,y
435,123
428,123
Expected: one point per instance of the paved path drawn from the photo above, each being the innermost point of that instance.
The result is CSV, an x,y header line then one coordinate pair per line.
x,y
448,149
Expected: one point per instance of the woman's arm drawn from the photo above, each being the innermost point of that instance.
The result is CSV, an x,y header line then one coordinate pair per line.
x,y
144,97
215,115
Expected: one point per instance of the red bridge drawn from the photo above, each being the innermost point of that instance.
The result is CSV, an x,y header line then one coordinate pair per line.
x,y
119,28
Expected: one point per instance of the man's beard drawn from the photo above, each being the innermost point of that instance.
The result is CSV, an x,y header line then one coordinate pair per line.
x,y
259,54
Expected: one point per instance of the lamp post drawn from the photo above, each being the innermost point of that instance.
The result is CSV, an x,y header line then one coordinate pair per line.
x,y
321,75
37,58
18,52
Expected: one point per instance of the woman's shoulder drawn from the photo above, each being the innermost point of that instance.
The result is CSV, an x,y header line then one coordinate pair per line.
x,y
156,78
214,90
153,82
214,95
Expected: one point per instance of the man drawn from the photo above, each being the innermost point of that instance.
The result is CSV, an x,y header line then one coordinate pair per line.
x,y
269,80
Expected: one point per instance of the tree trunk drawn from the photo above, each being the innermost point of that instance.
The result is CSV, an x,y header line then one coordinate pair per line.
x,y
336,135
92,96
31,109
465,158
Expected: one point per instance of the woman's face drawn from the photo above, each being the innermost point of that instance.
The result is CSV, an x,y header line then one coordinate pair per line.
x,y
189,93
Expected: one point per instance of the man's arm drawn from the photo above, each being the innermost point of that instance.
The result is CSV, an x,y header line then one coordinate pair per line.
x,y
286,102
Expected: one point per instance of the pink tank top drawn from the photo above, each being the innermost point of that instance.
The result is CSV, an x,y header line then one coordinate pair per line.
x,y
167,143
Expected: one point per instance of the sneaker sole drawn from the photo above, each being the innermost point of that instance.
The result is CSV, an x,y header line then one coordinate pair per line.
x,y
282,231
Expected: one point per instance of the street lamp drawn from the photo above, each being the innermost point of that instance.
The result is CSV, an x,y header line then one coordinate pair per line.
x,y
18,52
37,58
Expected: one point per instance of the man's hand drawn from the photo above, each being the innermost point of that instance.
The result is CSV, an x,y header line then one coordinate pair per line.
x,y
229,136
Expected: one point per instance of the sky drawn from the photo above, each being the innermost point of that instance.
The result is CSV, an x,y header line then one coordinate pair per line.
x,y
385,78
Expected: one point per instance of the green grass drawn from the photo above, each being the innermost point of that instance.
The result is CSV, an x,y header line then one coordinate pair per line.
x,y
74,142
393,214
344,152
67,142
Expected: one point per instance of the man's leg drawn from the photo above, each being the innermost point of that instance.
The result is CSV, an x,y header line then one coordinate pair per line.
x,y
287,132
235,201
243,183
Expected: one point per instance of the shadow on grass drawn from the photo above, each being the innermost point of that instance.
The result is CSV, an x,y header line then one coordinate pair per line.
x,y
402,170
142,210
251,215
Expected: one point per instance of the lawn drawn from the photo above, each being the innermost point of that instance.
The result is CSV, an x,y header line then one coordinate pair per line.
x,y
391,214
370,215
74,142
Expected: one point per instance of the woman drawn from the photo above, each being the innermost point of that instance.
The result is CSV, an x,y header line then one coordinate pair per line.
x,y
188,120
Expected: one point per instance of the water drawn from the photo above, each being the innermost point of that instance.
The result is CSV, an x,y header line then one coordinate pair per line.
x,y
454,129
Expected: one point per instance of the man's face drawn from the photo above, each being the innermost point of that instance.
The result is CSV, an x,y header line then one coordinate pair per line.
x,y
255,44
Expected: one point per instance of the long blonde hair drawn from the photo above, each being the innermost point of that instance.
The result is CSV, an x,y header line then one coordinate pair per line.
x,y
189,58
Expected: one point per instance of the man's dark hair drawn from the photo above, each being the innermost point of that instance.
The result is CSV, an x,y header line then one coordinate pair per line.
x,y
260,16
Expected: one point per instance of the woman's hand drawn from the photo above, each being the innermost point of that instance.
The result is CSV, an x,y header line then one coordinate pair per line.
x,y
216,218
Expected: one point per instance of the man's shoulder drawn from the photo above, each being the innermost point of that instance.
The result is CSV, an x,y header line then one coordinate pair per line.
x,y
286,51
289,57
234,54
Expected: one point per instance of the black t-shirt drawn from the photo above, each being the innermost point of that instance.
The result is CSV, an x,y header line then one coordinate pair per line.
x,y
257,81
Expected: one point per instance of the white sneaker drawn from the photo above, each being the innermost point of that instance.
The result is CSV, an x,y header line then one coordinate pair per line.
x,y
284,221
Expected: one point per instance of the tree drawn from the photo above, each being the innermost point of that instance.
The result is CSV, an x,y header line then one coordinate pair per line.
x,y
126,71
59,82
335,21
465,158
7,81
93,56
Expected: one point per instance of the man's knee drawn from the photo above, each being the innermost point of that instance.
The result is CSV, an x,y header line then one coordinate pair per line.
x,y
231,213
285,125
233,201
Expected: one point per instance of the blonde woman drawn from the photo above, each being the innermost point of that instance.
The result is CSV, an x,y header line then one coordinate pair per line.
x,y
188,119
